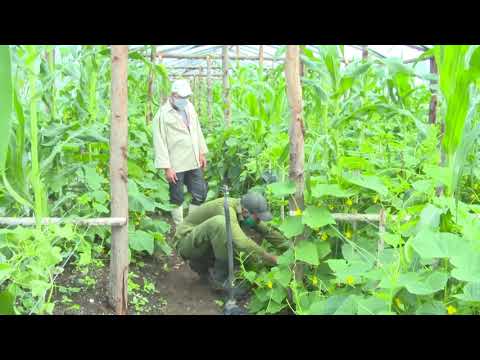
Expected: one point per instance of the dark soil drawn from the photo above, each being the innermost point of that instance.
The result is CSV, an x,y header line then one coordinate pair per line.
x,y
178,290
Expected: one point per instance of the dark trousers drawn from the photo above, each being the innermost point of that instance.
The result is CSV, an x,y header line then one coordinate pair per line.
x,y
195,183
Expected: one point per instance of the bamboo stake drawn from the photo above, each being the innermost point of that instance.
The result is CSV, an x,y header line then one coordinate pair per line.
x,y
30,221
209,90
118,179
226,86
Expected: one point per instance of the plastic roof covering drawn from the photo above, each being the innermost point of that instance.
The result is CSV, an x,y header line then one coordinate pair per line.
x,y
192,66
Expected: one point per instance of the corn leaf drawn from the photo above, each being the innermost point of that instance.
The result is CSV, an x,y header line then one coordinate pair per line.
x,y
6,103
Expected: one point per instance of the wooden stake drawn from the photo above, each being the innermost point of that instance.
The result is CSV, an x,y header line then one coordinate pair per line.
x,y
209,90
296,135
296,129
151,75
200,95
364,52
118,296
238,56
260,56
226,87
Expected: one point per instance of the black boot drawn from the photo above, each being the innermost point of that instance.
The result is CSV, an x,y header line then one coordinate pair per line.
x,y
201,268
218,279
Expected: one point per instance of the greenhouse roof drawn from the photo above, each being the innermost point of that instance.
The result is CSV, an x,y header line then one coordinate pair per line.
x,y
187,59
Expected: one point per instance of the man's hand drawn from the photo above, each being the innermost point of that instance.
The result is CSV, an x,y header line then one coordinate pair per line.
x,y
171,176
203,161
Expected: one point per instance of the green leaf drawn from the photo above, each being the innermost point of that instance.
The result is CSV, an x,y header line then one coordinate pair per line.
x,y
287,258
94,181
430,245
431,308
5,270
292,226
371,306
155,225
280,189
467,267
282,276
6,103
39,288
369,182
307,251
334,190
471,292
164,246
141,241
278,294
440,175
430,217
323,248
421,285
6,303
317,217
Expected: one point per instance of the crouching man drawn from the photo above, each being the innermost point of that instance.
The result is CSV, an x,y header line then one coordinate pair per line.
x,y
202,238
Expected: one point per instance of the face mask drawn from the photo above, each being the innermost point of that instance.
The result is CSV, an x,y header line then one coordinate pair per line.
x,y
250,222
180,103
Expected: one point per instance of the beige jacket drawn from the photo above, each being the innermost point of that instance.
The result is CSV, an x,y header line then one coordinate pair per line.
x,y
175,146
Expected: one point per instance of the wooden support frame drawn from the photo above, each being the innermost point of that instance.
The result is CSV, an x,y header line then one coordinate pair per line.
x,y
30,221
203,57
209,90
226,87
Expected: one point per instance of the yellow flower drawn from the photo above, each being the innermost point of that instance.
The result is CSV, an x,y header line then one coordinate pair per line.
x,y
314,280
269,284
349,202
398,302
375,199
324,236
330,207
298,212
350,280
348,234
451,310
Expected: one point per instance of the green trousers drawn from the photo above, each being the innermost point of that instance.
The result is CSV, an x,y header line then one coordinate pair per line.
x,y
210,236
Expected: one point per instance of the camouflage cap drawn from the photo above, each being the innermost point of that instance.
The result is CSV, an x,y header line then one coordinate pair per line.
x,y
256,203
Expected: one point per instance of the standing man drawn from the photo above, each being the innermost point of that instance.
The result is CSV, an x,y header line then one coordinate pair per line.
x,y
180,148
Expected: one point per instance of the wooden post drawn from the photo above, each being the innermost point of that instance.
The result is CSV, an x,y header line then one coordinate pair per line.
x,y
260,56
118,295
296,135
296,129
364,52
226,87
200,95
194,91
209,90
238,56
151,75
